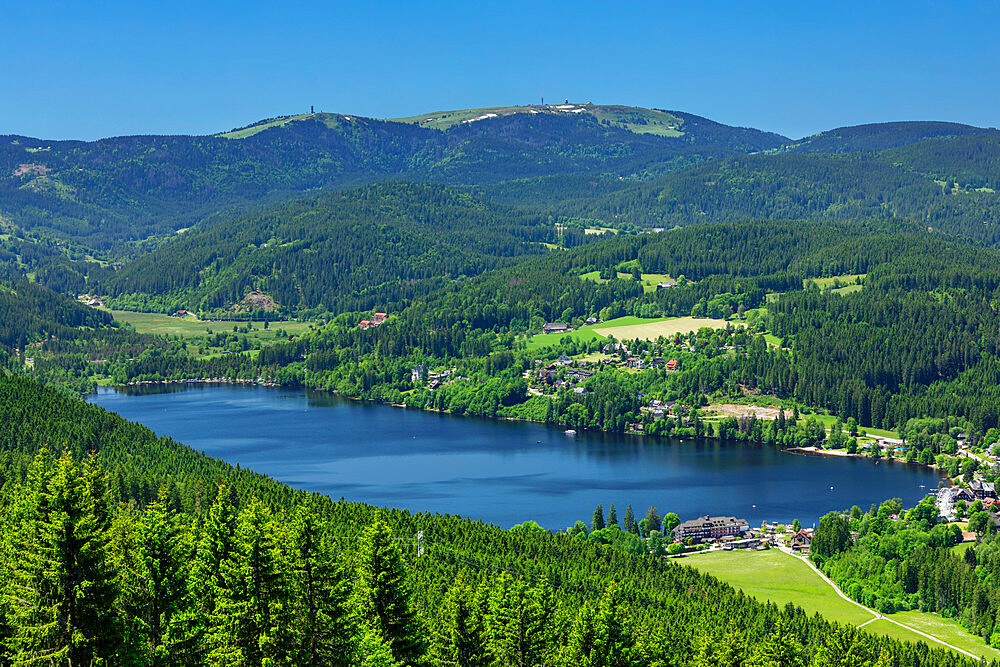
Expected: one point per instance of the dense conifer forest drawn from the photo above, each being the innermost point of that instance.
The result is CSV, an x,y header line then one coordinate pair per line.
x,y
125,548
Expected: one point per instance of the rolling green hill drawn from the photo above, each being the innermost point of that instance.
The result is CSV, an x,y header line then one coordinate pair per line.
x,y
881,136
345,251
908,183
111,194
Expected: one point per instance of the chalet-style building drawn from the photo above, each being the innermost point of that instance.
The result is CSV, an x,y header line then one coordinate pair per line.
x,y
983,489
961,493
801,540
673,365
555,327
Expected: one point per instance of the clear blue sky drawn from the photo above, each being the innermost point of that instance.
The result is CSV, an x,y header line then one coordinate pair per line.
x,y
88,70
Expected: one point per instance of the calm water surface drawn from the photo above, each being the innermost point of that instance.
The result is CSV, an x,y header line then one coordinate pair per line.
x,y
502,472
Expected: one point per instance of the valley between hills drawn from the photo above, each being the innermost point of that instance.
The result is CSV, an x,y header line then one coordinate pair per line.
x,y
618,305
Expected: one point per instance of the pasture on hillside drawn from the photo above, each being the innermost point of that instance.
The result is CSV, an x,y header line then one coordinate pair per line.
x,y
158,323
775,576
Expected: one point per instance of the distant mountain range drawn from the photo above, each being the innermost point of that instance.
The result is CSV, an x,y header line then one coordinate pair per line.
x,y
530,170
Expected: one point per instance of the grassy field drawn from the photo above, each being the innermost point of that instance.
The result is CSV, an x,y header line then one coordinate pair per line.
x,y
847,279
649,280
772,340
777,577
829,420
157,323
544,340
653,329
947,630
633,119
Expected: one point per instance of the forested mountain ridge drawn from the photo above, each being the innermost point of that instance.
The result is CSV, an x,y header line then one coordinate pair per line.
x,y
937,183
344,251
113,192
873,137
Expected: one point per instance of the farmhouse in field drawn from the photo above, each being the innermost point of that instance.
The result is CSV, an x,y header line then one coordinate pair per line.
x,y
666,284
711,527
555,327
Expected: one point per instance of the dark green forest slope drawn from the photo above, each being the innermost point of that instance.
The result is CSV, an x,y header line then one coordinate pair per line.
x,y
881,136
175,558
347,251
110,193
937,184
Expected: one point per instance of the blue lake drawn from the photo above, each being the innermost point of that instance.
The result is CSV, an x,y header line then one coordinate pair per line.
x,y
502,472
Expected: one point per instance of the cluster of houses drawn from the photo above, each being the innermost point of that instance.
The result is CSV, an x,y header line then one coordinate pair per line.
x,y
563,372
376,320
631,361
434,378
663,409
948,498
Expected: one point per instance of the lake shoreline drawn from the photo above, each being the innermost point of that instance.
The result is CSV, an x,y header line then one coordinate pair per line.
x,y
803,451
496,470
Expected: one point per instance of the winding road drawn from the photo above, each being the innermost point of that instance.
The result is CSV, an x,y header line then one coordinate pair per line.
x,y
875,615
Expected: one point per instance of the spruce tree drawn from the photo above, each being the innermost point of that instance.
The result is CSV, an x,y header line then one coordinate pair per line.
x,y
653,522
251,623
215,547
459,639
630,523
597,522
612,516
158,590
520,621
381,596
778,649
62,590
325,633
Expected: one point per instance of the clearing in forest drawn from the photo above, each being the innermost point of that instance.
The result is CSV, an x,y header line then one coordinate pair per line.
x,y
665,327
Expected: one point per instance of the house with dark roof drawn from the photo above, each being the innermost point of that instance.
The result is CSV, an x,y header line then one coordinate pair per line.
x,y
555,327
711,527
983,489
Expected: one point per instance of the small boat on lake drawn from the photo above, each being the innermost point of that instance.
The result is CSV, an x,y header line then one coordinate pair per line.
x,y
570,432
